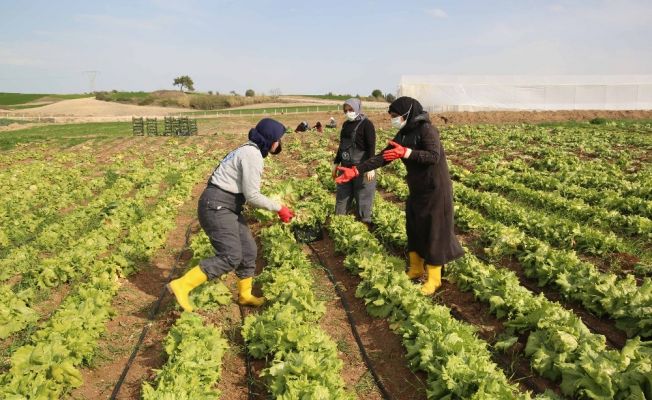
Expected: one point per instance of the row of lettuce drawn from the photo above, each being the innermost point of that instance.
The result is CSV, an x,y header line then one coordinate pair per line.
x,y
566,355
456,362
545,247
70,247
47,365
559,345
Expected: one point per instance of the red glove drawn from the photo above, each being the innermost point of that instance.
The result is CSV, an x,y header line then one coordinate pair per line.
x,y
285,214
347,174
397,152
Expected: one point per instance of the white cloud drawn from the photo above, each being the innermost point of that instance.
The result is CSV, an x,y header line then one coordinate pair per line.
x,y
437,13
557,8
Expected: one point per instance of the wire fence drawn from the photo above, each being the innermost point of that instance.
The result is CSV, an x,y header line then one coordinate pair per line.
x,y
45,118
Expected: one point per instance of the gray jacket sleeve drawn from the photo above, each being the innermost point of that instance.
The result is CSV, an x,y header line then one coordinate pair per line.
x,y
252,171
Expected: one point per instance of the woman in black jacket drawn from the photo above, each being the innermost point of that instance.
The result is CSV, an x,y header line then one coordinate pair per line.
x,y
429,207
357,144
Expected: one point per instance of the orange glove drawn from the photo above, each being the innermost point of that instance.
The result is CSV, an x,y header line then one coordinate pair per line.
x,y
347,174
285,214
397,152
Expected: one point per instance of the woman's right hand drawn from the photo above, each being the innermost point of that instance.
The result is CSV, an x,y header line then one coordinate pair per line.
x,y
285,214
347,174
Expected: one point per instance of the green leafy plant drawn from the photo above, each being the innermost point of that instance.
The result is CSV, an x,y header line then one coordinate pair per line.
x,y
195,351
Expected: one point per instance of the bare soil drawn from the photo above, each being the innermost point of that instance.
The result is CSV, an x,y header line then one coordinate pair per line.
x,y
90,107
357,377
501,117
383,346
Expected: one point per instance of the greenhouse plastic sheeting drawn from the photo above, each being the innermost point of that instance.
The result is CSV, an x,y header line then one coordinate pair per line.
x,y
568,92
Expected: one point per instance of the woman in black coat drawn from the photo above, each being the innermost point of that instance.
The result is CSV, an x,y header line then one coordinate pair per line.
x,y
429,207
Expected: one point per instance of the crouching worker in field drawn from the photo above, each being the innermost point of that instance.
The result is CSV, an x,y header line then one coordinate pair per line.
x,y
429,207
235,181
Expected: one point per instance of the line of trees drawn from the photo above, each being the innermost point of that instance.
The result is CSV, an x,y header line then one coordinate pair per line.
x,y
378,94
186,81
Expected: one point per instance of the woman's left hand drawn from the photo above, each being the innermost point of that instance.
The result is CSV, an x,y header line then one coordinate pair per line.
x,y
397,152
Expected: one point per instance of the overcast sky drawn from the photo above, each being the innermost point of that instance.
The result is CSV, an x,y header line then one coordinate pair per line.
x,y
311,46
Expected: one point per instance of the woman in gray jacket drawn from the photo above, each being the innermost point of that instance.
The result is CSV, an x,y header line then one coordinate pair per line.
x,y
235,181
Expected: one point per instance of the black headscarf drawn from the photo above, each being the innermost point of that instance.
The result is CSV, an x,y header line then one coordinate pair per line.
x,y
402,105
266,133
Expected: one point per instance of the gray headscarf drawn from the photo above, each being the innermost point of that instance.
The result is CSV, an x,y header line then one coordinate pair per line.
x,y
356,105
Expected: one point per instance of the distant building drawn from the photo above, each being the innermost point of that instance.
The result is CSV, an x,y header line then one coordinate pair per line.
x,y
521,92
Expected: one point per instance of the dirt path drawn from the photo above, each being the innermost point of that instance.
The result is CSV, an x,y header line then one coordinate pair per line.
x,y
384,347
90,107
357,377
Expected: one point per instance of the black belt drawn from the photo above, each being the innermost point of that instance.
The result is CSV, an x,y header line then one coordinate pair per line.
x,y
211,184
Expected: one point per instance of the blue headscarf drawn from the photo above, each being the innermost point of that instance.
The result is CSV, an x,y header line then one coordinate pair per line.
x,y
265,133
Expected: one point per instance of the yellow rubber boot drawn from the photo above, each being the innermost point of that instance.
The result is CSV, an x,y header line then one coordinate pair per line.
x,y
434,280
245,297
181,287
416,266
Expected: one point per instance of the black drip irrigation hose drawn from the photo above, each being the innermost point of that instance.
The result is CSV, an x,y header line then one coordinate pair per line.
x,y
250,382
150,318
349,315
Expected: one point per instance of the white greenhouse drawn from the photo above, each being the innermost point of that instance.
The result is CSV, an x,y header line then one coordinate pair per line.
x,y
509,92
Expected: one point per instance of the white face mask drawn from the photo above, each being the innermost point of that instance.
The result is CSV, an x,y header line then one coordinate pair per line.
x,y
398,123
351,115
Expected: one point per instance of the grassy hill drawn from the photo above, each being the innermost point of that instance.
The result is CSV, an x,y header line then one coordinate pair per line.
x,y
176,98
